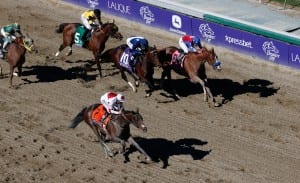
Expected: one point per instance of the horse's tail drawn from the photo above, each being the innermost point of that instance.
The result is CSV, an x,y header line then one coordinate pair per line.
x,y
61,27
78,118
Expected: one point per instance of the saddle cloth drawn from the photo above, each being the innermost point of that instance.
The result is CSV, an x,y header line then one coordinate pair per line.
x,y
79,36
98,113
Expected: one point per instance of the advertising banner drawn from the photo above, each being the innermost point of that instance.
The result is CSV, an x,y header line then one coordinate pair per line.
x,y
294,56
268,49
255,45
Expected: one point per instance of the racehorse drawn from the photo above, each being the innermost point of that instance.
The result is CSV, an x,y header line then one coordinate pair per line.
x,y
96,43
118,128
192,66
143,70
16,55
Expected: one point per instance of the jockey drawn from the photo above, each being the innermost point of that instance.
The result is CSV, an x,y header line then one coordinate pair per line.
x,y
8,31
113,104
138,46
88,19
187,43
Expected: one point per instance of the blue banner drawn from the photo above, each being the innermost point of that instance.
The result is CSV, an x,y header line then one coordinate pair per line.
x,y
255,45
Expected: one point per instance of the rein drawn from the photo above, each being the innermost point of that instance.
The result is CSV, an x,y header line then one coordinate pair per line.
x,y
29,48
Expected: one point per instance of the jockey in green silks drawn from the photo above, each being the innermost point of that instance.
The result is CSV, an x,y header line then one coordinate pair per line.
x,y
9,31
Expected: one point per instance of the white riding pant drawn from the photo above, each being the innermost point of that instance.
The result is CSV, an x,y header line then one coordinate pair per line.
x,y
85,22
183,46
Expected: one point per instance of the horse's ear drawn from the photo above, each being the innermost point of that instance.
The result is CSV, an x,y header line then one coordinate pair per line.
x,y
137,110
113,21
154,47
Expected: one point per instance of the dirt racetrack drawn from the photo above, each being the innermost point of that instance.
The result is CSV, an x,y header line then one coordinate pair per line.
x,y
253,137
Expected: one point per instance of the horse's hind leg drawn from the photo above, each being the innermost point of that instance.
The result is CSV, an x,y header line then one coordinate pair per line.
x,y
107,150
124,77
61,47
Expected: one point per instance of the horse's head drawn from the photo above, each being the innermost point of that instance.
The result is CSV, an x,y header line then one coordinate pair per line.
x,y
26,42
211,57
135,118
112,30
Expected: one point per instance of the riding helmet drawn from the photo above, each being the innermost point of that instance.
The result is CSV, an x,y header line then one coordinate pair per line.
x,y
17,26
196,40
97,13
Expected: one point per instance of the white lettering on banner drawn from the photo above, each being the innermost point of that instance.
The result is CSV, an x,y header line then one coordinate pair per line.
x,y
146,14
270,50
118,7
207,33
177,31
240,42
92,3
295,57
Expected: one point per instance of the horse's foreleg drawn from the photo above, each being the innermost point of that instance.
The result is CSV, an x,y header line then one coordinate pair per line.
x,y
19,71
213,100
97,60
122,142
206,90
11,75
133,142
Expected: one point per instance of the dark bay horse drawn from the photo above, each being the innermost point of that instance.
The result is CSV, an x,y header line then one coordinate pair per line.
x,y
16,55
143,70
192,66
96,44
118,128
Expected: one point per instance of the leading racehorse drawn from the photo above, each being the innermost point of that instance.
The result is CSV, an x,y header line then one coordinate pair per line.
x,y
192,66
16,55
96,43
118,128
142,70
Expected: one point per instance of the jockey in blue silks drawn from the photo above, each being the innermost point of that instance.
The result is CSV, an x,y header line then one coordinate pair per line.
x,y
138,46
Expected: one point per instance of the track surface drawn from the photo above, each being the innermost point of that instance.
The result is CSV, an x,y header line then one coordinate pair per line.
x,y
253,137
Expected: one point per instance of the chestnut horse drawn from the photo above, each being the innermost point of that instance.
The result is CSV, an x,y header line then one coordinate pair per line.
x,y
192,66
96,43
142,71
118,128
16,55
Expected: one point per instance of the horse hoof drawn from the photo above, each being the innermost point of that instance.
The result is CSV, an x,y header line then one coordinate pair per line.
x,y
148,95
216,104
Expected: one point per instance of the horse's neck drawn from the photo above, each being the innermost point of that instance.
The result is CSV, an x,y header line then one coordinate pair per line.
x,y
202,56
18,43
